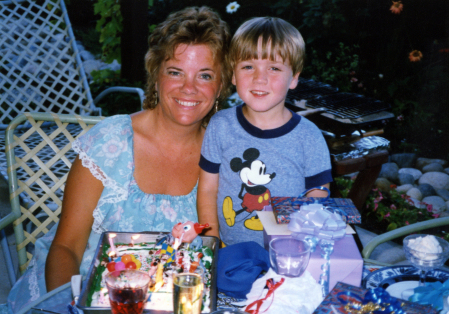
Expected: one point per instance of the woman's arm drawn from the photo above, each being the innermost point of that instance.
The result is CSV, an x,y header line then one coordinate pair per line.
x,y
319,193
81,195
207,201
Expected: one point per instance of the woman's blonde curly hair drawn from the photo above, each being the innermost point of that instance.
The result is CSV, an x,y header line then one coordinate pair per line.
x,y
191,26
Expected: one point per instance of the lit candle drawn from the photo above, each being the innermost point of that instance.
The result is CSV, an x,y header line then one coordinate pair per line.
x,y
160,273
111,241
112,255
134,237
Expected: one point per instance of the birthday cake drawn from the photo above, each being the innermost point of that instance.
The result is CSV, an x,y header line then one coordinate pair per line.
x,y
160,260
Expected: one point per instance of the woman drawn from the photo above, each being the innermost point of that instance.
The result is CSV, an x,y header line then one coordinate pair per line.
x,y
139,172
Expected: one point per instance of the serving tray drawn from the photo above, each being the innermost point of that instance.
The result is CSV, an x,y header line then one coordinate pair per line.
x,y
125,237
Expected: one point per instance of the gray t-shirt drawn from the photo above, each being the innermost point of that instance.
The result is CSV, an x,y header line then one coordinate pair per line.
x,y
255,164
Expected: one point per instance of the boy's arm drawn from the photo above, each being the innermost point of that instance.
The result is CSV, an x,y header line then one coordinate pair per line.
x,y
207,201
319,193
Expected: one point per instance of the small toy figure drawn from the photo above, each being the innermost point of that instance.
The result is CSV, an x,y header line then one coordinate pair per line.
x,y
188,233
185,233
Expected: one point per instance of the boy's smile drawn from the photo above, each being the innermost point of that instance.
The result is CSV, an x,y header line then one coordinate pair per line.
x,y
263,85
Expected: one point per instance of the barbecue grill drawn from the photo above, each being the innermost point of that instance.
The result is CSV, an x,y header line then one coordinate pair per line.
x,y
342,113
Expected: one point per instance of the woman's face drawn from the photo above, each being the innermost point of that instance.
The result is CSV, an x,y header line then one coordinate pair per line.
x,y
188,84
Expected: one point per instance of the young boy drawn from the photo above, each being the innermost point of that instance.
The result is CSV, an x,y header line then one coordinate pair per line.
x,y
260,149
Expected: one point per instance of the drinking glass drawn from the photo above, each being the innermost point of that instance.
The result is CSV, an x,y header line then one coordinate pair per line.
x,y
188,292
425,261
127,290
289,256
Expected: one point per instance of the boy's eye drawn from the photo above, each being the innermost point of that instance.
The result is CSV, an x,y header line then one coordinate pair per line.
x,y
247,67
275,69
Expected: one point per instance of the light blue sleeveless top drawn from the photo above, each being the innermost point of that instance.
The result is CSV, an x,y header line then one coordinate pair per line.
x,y
107,150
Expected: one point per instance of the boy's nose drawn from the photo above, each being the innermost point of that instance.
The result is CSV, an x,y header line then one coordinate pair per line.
x,y
260,76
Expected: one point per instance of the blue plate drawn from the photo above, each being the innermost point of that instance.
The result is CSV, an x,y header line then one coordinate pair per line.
x,y
387,276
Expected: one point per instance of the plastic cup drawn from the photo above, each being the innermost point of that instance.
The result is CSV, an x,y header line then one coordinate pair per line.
x,y
188,292
289,257
127,290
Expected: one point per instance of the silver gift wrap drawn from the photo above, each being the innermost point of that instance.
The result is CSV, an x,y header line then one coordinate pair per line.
x,y
125,237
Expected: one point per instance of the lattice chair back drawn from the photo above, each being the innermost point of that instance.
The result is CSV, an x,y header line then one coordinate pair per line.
x,y
40,66
38,164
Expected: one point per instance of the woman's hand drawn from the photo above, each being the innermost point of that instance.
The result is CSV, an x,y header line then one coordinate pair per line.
x,y
81,195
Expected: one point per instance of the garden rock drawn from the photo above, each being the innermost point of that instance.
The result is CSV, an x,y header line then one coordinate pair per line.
x,y
446,170
415,193
91,65
438,180
417,203
404,160
421,162
426,190
383,184
414,172
404,188
389,171
443,194
438,204
436,167
446,213
405,178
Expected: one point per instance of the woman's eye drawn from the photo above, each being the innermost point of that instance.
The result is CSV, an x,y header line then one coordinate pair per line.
x,y
174,73
206,76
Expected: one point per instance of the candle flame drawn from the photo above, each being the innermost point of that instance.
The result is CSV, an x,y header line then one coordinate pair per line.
x,y
133,285
158,286
104,290
136,236
183,299
112,235
188,306
112,253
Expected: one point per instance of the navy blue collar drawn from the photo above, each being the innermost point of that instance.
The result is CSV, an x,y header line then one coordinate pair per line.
x,y
273,133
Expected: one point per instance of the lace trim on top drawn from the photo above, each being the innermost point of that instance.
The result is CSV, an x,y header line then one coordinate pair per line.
x,y
113,194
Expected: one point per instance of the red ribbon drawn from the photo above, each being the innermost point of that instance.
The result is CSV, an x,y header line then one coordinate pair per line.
x,y
258,303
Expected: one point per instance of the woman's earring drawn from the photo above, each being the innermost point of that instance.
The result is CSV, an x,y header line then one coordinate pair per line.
x,y
155,98
216,105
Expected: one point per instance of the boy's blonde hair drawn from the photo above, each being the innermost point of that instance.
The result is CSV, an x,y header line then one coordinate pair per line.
x,y
283,40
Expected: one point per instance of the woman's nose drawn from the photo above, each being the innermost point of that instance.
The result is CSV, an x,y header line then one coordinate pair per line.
x,y
189,86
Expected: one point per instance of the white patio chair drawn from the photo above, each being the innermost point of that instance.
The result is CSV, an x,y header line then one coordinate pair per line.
x,y
40,71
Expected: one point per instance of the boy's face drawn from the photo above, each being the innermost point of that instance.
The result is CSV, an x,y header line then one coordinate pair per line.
x,y
263,84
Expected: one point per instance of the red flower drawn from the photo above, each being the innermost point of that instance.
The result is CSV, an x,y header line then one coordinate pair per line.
x,y
387,215
400,117
396,7
415,56
393,207
407,223
393,186
436,215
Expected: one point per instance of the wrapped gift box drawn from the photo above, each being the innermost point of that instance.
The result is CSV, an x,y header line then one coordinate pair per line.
x,y
283,206
331,300
346,264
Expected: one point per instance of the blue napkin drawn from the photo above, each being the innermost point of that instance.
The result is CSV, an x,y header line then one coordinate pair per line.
x,y
238,266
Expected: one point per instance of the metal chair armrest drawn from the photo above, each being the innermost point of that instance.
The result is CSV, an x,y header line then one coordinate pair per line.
x,y
371,245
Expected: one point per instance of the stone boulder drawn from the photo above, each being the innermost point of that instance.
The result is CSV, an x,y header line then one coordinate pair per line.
x,y
426,190
404,160
404,188
383,184
444,194
415,193
414,172
438,204
433,167
389,171
405,178
446,170
438,180
421,162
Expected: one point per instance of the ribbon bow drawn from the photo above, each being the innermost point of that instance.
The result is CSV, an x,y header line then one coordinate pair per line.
x,y
271,286
315,220
431,294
